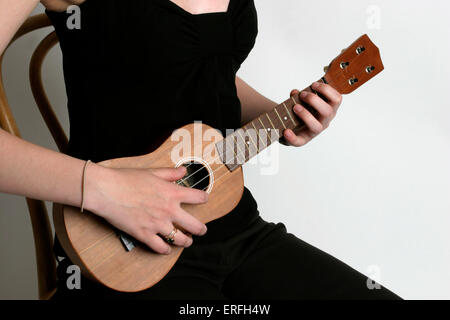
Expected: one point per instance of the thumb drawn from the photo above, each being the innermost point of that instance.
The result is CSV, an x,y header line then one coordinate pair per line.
x,y
170,174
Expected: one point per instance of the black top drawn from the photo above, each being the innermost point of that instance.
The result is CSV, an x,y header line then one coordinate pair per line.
x,y
138,69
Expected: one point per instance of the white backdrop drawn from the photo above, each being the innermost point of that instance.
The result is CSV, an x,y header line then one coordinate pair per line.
x,y
373,190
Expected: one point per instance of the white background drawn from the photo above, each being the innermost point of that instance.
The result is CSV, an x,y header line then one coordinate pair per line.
x,y
373,190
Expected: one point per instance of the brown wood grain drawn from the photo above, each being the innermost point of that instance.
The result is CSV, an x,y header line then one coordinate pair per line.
x,y
91,243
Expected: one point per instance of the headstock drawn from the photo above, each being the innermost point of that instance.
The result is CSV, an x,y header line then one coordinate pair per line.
x,y
354,66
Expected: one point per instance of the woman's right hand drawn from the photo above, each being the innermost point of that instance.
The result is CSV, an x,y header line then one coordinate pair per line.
x,y
145,203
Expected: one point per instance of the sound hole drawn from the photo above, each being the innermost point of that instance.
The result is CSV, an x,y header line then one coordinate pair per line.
x,y
197,176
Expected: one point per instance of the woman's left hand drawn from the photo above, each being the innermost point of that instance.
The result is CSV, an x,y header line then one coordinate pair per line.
x,y
326,109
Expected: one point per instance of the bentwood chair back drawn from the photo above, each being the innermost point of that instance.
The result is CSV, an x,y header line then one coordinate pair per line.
x,y
42,231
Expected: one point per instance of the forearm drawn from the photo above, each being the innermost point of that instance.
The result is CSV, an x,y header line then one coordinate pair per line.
x,y
12,14
39,173
253,103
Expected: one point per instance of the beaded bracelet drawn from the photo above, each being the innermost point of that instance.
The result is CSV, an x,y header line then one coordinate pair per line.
x,y
82,184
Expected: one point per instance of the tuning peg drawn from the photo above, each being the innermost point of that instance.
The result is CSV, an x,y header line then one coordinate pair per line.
x,y
325,69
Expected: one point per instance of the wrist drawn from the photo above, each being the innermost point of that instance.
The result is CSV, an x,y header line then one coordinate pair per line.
x,y
94,177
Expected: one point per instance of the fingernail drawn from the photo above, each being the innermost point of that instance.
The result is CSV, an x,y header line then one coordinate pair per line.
x,y
303,94
298,108
315,85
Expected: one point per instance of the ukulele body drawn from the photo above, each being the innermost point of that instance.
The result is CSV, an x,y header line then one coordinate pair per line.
x,y
92,244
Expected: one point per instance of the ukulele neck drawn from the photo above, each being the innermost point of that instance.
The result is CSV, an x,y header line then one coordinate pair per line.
x,y
247,142
356,65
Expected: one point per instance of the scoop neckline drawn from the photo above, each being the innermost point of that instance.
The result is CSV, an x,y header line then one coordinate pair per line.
x,y
170,2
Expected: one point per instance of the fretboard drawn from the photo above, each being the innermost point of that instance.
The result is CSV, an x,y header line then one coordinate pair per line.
x,y
245,143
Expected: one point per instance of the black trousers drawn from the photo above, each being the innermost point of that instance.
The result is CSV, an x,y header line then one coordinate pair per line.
x,y
264,262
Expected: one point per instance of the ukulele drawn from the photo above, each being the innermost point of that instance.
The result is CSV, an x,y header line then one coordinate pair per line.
x,y
213,163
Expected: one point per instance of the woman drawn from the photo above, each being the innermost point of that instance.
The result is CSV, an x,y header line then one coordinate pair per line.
x,y
135,71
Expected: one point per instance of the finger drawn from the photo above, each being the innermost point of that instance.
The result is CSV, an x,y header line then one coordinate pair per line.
x,y
157,244
189,223
190,195
295,92
170,174
311,122
325,110
331,95
293,139
180,239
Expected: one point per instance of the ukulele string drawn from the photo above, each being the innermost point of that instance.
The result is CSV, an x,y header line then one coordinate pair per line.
x,y
193,162
228,172
223,175
239,152
212,161
226,155
208,175
220,167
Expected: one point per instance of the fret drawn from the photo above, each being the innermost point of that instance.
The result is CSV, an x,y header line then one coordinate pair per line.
x,y
290,115
267,130
273,128
239,151
264,130
247,152
284,114
270,120
246,137
259,138
248,132
231,154
275,131
227,156
277,122
281,120
262,123
238,132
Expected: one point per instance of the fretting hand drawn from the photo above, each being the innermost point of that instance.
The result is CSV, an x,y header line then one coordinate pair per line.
x,y
326,109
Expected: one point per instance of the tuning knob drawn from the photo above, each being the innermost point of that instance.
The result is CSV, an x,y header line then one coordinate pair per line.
x,y
325,69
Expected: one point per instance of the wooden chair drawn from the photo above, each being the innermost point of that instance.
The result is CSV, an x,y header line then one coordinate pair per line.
x,y
42,232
